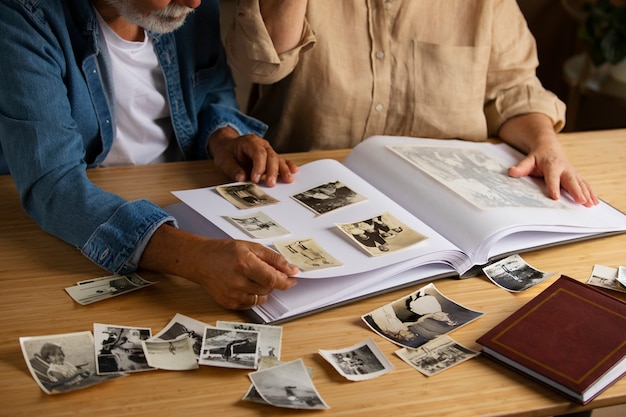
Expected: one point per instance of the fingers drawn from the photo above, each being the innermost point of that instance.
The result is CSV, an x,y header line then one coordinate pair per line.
x,y
557,174
251,156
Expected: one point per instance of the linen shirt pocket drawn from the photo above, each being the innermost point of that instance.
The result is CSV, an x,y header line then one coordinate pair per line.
x,y
450,84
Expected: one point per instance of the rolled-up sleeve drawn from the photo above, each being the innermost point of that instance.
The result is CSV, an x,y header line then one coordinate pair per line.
x,y
251,51
513,88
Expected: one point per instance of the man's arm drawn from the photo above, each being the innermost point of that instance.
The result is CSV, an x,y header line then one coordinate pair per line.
x,y
231,271
534,135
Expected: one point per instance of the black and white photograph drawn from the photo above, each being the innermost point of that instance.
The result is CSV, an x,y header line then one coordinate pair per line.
x,y
62,362
264,363
419,317
270,337
328,197
437,355
514,274
359,362
477,177
288,385
229,348
621,276
184,325
381,234
170,355
306,253
90,291
606,277
119,348
259,225
245,195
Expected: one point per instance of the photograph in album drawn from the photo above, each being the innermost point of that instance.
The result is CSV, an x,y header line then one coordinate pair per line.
x,y
462,232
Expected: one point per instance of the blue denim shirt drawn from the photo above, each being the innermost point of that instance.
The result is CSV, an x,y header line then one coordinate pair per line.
x,y
57,118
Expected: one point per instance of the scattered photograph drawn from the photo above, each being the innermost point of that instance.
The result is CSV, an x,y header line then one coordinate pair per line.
x,y
287,385
264,363
230,348
514,274
259,225
419,317
90,291
170,355
270,337
63,362
381,234
359,362
606,277
183,325
437,355
328,197
306,253
245,195
119,349
621,276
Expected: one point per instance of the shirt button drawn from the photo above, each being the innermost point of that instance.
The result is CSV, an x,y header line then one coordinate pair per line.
x,y
380,54
387,5
379,107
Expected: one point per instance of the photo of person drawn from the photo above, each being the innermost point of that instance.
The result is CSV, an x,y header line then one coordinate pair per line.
x,y
184,325
62,363
359,362
259,225
380,234
245,195
514,274
327,197
119,349
307,254
413,320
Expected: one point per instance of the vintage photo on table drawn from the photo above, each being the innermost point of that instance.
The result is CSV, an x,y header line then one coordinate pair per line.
x,y
419,317
328,197
380,234
264,363
270,337
437,355
98,289
62,362
230,348
306,253
171,355
119,349
606,277
184,325
245,195
359,362
514,274
287,385
259,225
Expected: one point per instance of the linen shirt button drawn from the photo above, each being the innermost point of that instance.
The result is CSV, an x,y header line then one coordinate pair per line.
x,y
380,54
379,107
388,5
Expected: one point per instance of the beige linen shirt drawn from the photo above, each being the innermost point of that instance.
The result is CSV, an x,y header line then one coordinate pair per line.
x,y
421,68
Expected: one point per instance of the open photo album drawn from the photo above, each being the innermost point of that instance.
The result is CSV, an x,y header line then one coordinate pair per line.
x,y
395,212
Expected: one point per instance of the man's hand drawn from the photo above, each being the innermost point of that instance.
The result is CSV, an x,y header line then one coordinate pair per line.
x,y
249,157
236,274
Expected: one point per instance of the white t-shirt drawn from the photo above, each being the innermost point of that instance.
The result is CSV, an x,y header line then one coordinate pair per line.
x,y
143,124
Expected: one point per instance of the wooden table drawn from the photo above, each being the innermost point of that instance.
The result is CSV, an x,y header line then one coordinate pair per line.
x,y
36,267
